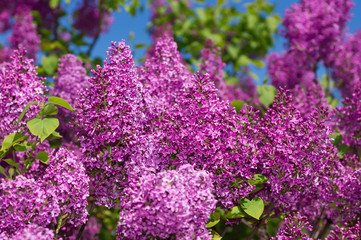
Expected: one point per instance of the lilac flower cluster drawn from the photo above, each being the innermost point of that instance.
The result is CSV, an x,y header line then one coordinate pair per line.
x,y
32,232
168,204
315,27
109,120
315,32
293,227
19,85
297,157
60,192
347,67
24,34
348,119
345,233
71,79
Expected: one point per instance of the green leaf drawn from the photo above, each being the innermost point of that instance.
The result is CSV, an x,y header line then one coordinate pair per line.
x,y
54,135
258,63
3,171
24,111
50,109
43,127
54,3
12,163
11,172
272,22
215,235
61,102
253,208
11,139
49,64
22,147
266,94
213,219
243,60
235,212
257,179
238,104
337,138
43,157
55,144
211,224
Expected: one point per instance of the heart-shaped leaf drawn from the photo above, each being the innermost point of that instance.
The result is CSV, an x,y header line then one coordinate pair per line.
x,y
43,127
253,208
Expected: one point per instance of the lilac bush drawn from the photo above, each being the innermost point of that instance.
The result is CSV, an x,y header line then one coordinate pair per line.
x,y
157,151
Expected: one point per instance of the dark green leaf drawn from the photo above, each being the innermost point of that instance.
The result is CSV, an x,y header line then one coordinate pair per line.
x,y
43,127
54,135
337,138
22,147
43,157
238,104
235,212
61,102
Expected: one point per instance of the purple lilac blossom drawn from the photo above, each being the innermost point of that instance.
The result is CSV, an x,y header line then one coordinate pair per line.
x,y
293,227
66,182
163,73
90,20
345,233
169,204
61,190
348,119
211,63
307,98
25,200
20,85
33,232
71,79
290,69
316,27
24,34
297,156
347,66
110,121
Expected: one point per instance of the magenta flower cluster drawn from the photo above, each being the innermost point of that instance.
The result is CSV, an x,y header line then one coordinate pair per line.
x,y
167,204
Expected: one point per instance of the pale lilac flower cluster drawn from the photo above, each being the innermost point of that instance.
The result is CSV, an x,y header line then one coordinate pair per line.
x,y
61,191
169,204
72,78
90,19
19,85
109,121
293,227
